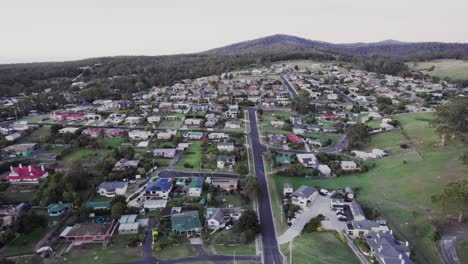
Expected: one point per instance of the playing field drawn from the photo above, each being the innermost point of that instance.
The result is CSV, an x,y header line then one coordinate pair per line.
x,y
400,186
453,69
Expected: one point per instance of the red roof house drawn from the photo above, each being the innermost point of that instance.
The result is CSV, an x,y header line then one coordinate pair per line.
x,y
26,174
295,139
329,117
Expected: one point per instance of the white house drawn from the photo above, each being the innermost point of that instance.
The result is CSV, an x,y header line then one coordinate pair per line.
x,y
304,196
226,146
111,189
348,165
288,189
195,187
153,205
218,217
140,134
324,169
307,159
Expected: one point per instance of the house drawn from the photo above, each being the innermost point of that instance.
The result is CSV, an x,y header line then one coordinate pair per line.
x,y
193,122
192,135
324,169
20,125
114,133
165,153
133,120
386,249
233,124
226,146
375,153
283,160
356,211
87,232
57,209
348,165
225,160
277,124
22,150
27,174
111,189
385,124
304,196
125,164
217,136
92,132
195,187
140,134
295,139
227,184
13,136
277,139
287,189
186,223
128,224
309,160
363,228
154,205
217,218
103,205
295,119
154,119
159,188
329,117
70,130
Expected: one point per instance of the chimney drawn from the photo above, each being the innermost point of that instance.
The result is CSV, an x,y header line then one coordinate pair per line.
x,y
42,167
21,166
11,168
29,168
400,256
407,243
391,231
402,261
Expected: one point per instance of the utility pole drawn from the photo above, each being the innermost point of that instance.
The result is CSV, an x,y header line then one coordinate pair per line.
x,y
290,251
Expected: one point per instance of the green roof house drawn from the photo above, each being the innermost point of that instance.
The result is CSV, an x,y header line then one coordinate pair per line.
x,y
283,160
186,223
57,209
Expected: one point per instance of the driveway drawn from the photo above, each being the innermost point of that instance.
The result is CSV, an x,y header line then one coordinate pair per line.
x,y
321,205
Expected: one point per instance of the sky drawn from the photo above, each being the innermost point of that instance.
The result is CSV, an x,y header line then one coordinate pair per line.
x,y
57,30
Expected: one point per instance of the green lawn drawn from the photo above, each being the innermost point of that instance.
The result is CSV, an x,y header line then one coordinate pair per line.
x,y
114,142
81,155
449,68
462,251
400,187
389,141
225,242
191,156
171,124
37,136
269,116
23,244
116,252
183,250
19,193
318,248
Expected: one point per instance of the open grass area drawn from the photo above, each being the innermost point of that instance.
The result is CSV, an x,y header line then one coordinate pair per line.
x,y
35,119
389,141
183,250
18,193
117,251
37,136
268,116
171,124
82,155
453,69
225,242
23,244
114,142
317,248
191,156
400,187
462,251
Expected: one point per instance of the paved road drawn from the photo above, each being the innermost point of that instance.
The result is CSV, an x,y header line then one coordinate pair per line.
x,y
288,85
346,97
270,249
148,245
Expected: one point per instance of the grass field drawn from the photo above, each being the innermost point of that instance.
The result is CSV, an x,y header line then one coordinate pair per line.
x,y
191,156
183,250
117,251
453,69
389,141
37,136
19,193
23,244
462,251
171,124
401,186
114,142
225,242
318,248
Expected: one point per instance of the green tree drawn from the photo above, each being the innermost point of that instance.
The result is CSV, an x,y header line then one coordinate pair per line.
x,y
358,135
249,224
451,119
455,195
117,210
252,187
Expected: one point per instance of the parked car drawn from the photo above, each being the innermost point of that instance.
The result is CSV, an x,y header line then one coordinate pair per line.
x,y
323,192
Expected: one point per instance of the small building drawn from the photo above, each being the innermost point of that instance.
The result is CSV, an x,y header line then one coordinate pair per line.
x,y
126,164
111,189
363,228
217,218
102,205
139,134
225,161
165,153
287,189
57,209
295,119
304,196
16,150
226,146
155,205
324,169
128,224
348,165
70,130
186,223
309,160
114,133
227,184
195,187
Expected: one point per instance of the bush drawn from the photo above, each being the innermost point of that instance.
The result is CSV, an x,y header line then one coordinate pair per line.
x,y
313,225
188,165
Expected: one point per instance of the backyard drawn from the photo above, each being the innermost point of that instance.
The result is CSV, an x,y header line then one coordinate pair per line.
x,y
191,159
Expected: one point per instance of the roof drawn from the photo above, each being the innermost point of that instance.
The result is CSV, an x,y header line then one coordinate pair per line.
x,y
20,148
127,219
283,159
112,185
57,207
26,172
386,248
129,226
99,205
224,158
162,185
197,182
186,221
288,185
304,191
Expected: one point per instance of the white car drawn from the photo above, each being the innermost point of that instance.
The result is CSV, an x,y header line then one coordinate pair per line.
x,y
324,192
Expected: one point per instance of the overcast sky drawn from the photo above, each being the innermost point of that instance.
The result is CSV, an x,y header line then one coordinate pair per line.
x,y
45,30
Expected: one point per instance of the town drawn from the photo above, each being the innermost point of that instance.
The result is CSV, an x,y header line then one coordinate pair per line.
x,y
264,164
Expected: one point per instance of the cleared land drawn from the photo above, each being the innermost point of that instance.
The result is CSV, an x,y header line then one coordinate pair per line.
x,y
23,244
453,69
116,252
183,250
191,157
400,186
319,248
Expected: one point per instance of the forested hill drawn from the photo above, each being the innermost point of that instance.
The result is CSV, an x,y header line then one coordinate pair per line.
x,y
389,48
